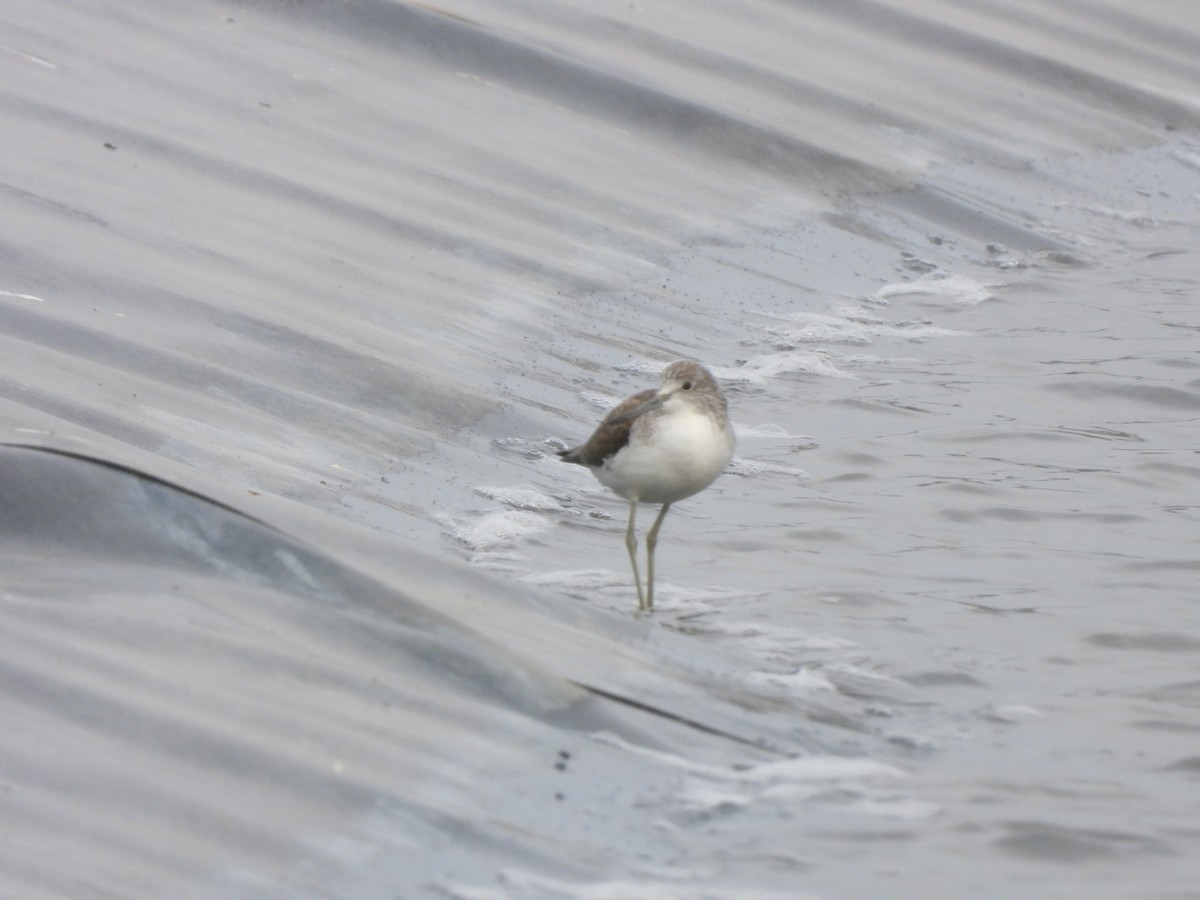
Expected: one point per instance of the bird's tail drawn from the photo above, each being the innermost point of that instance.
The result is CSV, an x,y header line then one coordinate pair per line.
x,y
572,455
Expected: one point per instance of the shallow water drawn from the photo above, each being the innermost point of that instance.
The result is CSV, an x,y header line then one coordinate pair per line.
x,y
963,519
297,301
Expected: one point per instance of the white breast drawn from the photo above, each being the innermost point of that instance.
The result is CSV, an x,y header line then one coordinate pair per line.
x,y
668,457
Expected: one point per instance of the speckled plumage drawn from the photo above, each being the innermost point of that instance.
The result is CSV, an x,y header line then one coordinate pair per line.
x,y
660,446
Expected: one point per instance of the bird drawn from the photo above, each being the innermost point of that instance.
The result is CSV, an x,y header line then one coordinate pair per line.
x,y
660,446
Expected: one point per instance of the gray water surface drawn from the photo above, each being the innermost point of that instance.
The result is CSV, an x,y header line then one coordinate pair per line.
x,y
298,299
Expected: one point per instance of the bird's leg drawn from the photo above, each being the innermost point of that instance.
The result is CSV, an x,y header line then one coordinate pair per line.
x,y
651,543
631,543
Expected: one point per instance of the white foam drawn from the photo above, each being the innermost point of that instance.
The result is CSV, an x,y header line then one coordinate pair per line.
x,y
857,785
823,769
854,679
859,313
953,290
805,680
521,497
814,328
832,330
499,561
853,785
670,597
498,529
642,367
1188,158
822,642
760,368
1137,217
673,884
1012,712
614,589
751,468
800,767
602,402
767,431
868,360
580,579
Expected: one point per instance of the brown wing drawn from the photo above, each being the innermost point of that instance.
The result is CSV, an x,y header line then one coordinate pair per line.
x,y
609,436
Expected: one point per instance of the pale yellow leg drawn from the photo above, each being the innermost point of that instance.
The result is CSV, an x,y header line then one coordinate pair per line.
x,y
651,543
631,543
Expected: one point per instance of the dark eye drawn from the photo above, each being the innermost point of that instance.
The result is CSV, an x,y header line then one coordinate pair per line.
x,y
687,385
